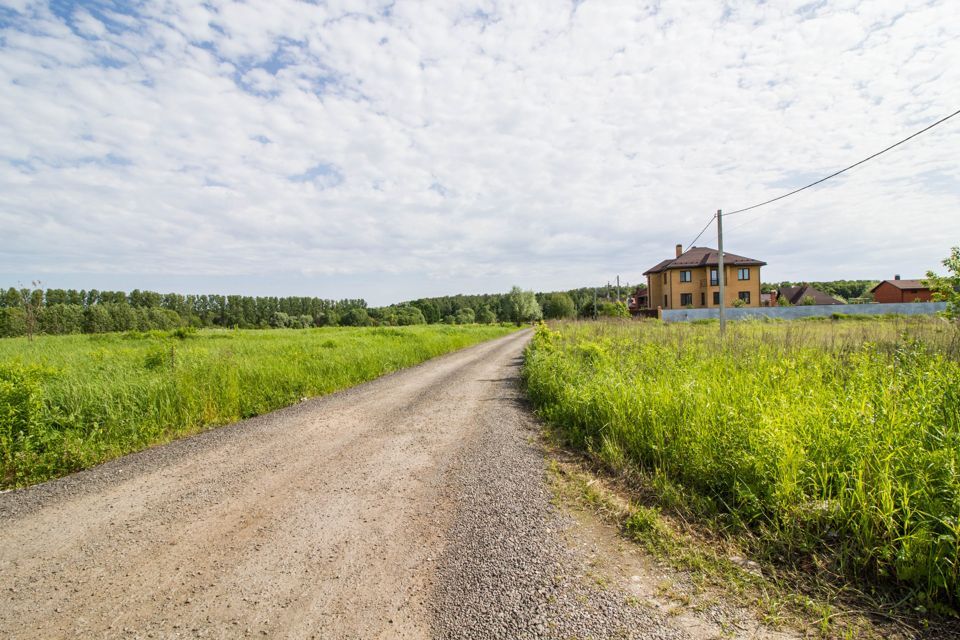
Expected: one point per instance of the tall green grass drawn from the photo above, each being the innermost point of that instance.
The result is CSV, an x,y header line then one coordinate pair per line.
x,y
834,444
70,402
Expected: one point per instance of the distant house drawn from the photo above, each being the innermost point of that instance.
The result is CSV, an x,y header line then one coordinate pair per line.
x,y
800,294
691,280
898,290
638,299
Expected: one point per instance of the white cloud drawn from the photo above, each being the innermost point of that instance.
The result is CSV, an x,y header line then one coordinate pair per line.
x,y
463,144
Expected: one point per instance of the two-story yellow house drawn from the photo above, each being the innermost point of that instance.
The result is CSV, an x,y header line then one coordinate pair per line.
x,y
691,280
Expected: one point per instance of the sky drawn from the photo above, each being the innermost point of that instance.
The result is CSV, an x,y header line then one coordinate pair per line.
x,y
393,150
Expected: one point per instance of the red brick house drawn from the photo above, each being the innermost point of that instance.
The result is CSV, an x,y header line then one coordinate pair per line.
x,y
898,290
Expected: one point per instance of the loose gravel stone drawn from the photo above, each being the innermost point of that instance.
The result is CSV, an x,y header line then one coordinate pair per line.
x,y
506,572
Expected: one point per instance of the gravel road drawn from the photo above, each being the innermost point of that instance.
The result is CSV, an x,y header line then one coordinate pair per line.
x,y
413,506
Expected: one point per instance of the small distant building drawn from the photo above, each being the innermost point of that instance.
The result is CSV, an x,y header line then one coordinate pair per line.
x,y
799,295
897,290
691,280
638,299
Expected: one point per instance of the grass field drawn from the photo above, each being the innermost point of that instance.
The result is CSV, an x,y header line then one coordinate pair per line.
x,y
831,447
70,402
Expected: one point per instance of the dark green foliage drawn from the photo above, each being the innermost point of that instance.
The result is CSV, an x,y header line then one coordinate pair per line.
x,y
12,322
356,317
486,316
947,288
465,316
59,311
843,289
60,318
557,306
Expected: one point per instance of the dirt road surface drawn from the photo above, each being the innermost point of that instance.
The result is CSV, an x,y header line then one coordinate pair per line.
x,y
413,506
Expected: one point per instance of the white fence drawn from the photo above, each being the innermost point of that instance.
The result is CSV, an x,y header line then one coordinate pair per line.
x,y
805,311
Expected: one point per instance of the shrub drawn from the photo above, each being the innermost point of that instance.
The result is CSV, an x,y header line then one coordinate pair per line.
x,y
21,413
12,322
61,318
356,317
558,306
465,316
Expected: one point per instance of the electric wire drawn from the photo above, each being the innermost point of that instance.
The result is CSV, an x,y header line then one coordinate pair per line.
x,y
705,227
845,169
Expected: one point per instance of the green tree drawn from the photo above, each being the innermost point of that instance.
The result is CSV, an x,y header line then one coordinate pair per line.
x,y
12,322
947,288
465,315
614,310
61,318
355,317
521,306
486,315
557,306
409,315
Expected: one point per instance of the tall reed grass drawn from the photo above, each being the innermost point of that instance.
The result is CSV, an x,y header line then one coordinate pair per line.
x,y
834,444
70,402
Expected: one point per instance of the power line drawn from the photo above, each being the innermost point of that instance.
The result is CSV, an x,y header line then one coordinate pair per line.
x,y
705,227
835,174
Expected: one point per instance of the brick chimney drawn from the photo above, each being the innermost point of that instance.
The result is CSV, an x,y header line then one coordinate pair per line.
x,y
896,277
680,252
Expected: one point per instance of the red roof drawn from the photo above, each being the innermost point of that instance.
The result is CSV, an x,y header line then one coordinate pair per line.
x,y
795,295
903,284
704,257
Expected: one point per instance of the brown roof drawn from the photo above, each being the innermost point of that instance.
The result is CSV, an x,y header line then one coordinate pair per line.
x,y
903,284
796,295
704,257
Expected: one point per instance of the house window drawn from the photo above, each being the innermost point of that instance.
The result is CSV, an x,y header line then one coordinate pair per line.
x,y
664,277
686,299
714,279
743,274
716,297
665,305
703,299
685,276
745,296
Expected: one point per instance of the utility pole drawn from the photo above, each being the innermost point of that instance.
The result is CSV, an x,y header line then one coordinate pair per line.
x,y
594,303
618,287
720,274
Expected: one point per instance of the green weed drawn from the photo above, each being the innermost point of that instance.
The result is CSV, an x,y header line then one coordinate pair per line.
x,y
70,402
835,441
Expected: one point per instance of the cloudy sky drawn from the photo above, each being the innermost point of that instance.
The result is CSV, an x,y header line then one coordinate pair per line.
x,y
391,150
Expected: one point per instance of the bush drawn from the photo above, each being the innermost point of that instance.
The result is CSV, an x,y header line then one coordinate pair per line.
x,y
557,306
21,413
96,319
614,310
12,322
486,316
465,316
61,318
356,317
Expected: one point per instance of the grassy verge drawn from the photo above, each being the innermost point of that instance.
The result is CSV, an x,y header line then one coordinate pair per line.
x,y
70,402
831,448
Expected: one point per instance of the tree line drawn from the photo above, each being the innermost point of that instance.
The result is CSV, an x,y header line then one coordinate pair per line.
x,y
25,311
29,311
844,289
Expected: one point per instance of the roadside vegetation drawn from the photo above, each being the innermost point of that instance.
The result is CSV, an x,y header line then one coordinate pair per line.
x,y
70,402
826,447
35,311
